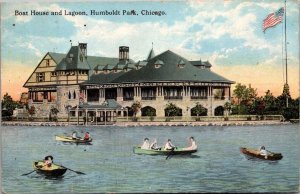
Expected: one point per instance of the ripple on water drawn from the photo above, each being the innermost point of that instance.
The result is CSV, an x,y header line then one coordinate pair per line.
x,y
111,166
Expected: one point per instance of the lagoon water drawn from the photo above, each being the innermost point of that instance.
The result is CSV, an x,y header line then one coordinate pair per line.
x,y
111,166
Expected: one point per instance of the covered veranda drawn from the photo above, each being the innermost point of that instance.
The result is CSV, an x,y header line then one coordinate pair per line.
x,y
90,114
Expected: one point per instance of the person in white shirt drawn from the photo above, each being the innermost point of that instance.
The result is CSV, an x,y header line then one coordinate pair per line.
x,y
192,145
74,135
146,145
154,145
263,152
169,145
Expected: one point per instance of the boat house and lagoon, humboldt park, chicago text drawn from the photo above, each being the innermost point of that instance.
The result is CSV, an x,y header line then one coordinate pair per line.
x,y
101,89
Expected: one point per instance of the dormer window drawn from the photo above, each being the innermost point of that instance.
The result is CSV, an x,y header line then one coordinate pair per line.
x,y
158,64
181,64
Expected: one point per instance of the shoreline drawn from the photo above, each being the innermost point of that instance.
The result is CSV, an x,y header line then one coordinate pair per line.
x,y
142,124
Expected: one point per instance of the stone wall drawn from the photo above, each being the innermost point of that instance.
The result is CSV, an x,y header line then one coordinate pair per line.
x,y
67,96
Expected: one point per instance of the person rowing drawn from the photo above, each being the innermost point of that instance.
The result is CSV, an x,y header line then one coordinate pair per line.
x,y
48,161
192,146
146,145
169,145
154,145
263,152
87,136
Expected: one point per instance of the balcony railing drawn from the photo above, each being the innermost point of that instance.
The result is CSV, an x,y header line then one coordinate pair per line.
x,y
127,98
198,97
148,97
173,97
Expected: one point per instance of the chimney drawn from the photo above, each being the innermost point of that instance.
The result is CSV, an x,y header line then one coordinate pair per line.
x,y
83,49
124,53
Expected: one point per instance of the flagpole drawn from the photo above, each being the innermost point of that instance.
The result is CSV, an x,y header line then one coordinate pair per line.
x,y
286,69
286,74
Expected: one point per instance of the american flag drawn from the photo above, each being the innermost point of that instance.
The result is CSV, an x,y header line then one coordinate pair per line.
x,y
273,19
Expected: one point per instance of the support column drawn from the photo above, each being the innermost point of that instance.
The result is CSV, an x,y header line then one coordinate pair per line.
x,y
86,117
210,101
119,94
85,95
96,115
104,116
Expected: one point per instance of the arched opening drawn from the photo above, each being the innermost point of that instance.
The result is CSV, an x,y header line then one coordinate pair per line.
x,y
219,111
172,110
199,110
129,110
148,111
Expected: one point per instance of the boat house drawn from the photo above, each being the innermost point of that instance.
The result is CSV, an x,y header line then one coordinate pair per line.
x,y
104,88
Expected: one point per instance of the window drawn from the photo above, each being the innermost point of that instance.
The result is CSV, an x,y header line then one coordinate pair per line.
x,y
47,62
40,77
181,64
53,74
157,66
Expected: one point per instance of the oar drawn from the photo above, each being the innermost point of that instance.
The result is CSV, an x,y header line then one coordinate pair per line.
x,y
171,153
78,172
31,171
28,173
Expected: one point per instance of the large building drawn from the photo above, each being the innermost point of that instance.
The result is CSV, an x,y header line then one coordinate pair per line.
x,y
103,86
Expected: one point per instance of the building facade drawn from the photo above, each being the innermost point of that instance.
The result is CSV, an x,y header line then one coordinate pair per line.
x,y
81,83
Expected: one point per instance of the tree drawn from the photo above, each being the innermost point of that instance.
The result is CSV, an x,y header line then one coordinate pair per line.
x,y
199,110
239,91
8,105
227,108
53,114
245,96
136,106
172,110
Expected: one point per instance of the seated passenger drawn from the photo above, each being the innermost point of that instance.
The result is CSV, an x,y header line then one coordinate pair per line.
x,y
87,136
192,145
263,152
154,146
169,145
74,135
146,145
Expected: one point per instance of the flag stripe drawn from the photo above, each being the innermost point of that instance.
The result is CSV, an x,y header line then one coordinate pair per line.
x,y
273,19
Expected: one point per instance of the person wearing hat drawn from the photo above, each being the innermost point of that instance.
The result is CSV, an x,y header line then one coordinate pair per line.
x,y
169,145
48,161
146,144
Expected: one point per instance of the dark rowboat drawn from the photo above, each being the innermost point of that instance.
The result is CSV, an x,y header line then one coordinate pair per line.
x,y
53,171
71,140
255,153
177,151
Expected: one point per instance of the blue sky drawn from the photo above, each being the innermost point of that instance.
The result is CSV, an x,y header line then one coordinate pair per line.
x,y
227,33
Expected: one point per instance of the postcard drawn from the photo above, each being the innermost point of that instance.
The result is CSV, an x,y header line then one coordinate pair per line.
x,y
150,97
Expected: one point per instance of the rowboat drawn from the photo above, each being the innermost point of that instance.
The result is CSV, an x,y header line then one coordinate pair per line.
x,y
256,153
53,171
176,151
71,140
